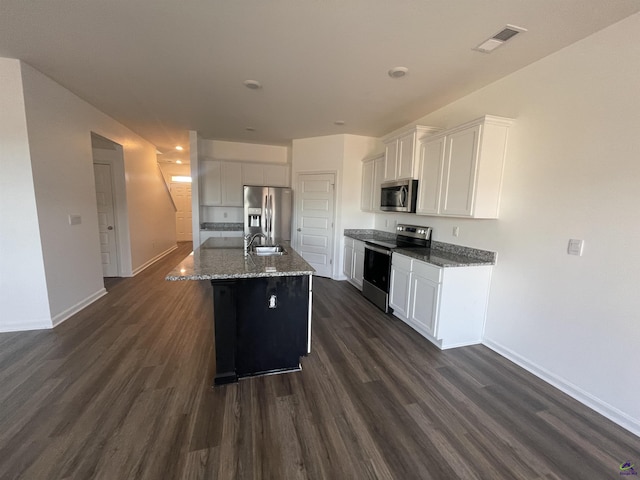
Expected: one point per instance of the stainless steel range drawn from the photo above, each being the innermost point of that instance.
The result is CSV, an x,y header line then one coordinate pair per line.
x,y
377,261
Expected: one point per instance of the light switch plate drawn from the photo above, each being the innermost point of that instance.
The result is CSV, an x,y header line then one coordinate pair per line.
x,y
75,219
575,247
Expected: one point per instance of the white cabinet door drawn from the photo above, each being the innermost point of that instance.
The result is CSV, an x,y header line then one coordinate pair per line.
x,y
210,187
347,258
378,176
430,176
459,174
252,174
357,273
391,160
276,175
400,285
406,156
423,307
232,192
366,198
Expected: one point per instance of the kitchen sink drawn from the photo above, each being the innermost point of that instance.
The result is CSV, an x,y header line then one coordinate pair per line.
x,y
264,250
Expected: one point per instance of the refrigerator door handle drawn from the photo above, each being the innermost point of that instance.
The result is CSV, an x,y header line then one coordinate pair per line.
x,y
271,218
266,214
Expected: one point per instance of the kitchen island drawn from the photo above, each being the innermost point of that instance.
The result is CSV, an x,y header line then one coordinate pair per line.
x,y
262,307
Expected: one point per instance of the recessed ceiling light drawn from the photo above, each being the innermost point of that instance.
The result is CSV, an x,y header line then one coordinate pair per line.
x,y
250,129
179,148
252,84
339,122
398,72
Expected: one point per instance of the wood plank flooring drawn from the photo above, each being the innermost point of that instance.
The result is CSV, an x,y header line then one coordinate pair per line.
x,y
123,391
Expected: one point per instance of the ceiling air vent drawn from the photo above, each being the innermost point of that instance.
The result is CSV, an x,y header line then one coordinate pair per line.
x,y
507,33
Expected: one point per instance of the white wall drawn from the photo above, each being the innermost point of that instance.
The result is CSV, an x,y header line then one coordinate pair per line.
x,y
239,151
21,261
59,126
343,155
572,171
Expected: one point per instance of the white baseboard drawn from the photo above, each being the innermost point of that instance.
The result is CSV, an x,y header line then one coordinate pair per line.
x,y
41,324
153,260
612,413
69,312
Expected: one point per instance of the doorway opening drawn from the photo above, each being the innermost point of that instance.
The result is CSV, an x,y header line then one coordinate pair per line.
x,y
111,204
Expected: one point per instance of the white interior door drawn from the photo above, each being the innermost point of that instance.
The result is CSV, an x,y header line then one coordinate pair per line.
x,y
315,220
106,219
181,193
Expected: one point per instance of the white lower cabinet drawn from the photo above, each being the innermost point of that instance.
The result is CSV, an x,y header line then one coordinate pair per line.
x,y
445,305
353,261
399,285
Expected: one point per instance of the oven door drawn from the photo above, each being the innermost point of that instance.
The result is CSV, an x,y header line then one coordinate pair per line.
x,y
377,267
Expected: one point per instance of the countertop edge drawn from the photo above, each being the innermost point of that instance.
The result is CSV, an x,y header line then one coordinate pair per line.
x,y
468,259
173,278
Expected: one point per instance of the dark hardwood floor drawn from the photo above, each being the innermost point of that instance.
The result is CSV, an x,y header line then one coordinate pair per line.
x,y
123,390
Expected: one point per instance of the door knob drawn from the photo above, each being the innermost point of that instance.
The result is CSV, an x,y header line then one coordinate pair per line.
x,y
109,227
299,229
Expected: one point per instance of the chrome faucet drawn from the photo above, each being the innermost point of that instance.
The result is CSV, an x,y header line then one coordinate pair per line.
x,y
249,239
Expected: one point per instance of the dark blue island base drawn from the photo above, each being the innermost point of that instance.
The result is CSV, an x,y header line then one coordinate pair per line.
x,y
260,325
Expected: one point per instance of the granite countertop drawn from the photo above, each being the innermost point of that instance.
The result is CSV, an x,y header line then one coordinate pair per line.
x,y
441,254
223,258
441,258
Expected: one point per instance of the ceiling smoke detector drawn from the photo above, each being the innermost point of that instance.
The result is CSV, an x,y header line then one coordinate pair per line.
x,y
504,35
252,84
398,72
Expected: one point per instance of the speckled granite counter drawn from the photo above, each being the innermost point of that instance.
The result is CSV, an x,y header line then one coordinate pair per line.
x,y
441,258
223,258
441,254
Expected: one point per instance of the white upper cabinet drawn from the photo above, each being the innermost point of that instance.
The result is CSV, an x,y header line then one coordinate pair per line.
x,y
402,154
430,176
460,173
372,177
265,175
276,175
231,184
221,182
391,160
210,187
252,174
368,177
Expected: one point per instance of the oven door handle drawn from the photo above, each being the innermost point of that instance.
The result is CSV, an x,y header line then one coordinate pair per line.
x,y
377,249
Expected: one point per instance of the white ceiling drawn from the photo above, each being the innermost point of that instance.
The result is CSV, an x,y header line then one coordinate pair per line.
x,y
163,67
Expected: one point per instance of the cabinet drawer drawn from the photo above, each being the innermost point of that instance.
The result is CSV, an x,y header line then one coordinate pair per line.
x,y
430,272
400,261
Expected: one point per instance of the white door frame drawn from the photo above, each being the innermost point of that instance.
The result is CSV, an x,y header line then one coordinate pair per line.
x,y
120,214
334,219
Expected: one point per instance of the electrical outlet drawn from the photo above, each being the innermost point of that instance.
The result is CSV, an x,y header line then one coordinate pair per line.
x,y
456,231
575,247
224,214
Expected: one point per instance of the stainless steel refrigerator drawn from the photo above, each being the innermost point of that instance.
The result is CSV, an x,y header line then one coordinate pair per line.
x,y
268,210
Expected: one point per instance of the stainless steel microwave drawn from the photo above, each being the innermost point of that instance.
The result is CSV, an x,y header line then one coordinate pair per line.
x,y
399,196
